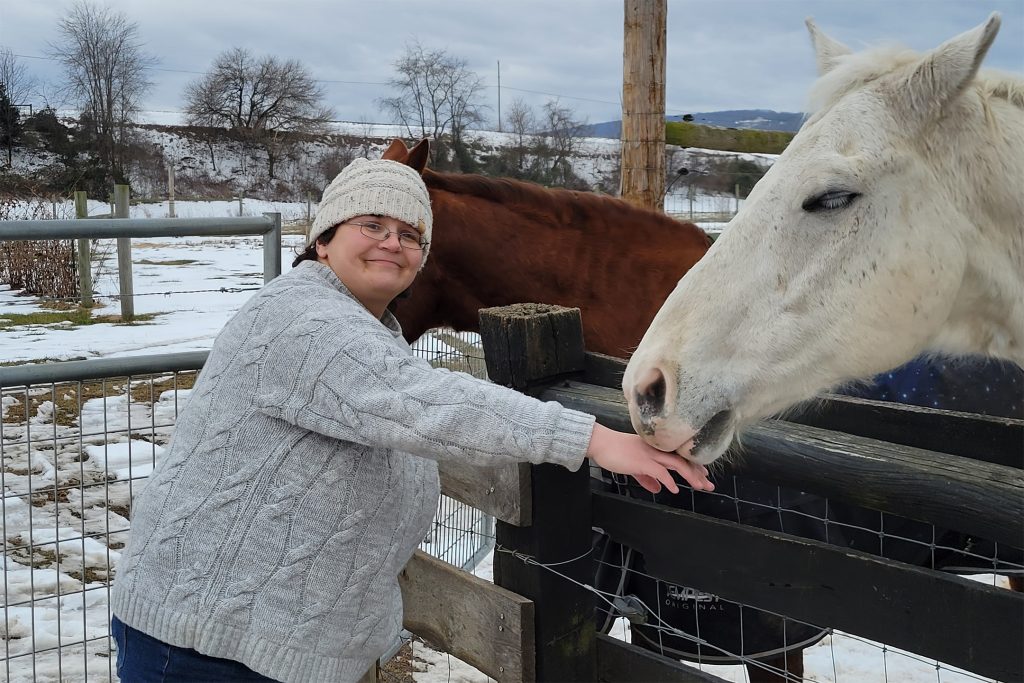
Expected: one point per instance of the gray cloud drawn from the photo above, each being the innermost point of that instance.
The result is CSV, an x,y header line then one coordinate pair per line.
x,y
722,54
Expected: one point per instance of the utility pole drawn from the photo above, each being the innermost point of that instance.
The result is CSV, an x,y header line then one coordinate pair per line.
x,y
499,95
643,103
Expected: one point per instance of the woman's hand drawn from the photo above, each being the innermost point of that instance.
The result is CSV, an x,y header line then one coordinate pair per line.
x,y
624,453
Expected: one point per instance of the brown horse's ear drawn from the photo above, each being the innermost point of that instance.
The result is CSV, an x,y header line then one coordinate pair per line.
x,y
418,155
396,151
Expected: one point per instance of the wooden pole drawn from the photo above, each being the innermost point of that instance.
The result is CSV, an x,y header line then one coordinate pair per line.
x,y
523,345
124,256
643,103
170,192
84,253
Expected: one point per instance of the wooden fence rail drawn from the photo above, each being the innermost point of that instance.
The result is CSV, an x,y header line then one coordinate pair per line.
x,y
834,448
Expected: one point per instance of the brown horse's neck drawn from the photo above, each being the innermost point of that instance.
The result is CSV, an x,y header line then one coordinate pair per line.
x,y
500,241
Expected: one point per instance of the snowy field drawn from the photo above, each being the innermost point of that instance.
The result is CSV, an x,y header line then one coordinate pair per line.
x,y
67,481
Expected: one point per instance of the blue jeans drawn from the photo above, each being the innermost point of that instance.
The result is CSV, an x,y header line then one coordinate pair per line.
x,y
144,659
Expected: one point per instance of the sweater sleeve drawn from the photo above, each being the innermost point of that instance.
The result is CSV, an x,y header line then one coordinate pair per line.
x,y
347,378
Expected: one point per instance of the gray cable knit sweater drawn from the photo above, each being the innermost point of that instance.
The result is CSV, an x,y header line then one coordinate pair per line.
x,y
273,530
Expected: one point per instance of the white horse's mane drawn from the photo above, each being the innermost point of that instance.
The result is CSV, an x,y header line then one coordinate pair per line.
x,y
853,71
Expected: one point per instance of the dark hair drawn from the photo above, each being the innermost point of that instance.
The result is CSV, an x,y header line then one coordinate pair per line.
x,y
309,253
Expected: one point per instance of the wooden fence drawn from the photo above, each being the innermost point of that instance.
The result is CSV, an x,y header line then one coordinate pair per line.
x,y
955,470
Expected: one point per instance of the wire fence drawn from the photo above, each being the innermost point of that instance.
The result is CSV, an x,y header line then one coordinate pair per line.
x,y
72,455
700,628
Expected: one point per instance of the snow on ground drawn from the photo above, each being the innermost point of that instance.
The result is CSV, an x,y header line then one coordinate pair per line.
x,y
194,285
191,284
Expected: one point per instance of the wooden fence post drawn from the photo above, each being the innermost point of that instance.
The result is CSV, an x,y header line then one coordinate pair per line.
x,y
643,103
170,192
124,256
524,345
84,253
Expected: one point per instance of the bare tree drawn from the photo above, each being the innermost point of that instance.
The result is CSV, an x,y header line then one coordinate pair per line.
x,y
16,86
562,131
521,123
436,95
266,100
106,71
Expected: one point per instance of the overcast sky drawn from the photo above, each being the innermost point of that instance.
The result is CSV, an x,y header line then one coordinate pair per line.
x,y
722,54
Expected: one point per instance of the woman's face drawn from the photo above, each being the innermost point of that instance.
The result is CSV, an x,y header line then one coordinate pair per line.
x,y
374,271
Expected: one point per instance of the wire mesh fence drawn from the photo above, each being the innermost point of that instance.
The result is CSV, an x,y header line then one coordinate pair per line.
x,y
689,624
72,455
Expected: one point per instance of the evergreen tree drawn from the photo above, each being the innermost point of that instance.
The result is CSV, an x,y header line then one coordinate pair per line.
x,y
10,123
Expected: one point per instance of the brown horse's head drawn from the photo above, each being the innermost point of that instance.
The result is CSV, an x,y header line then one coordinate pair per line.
x,y
498,241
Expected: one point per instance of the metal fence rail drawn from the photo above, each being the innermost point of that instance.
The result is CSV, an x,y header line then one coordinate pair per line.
x,y
268,225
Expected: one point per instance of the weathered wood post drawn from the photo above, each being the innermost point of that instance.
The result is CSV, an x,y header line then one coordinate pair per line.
x,y
525,345
170,192
643,103
124,256
84,253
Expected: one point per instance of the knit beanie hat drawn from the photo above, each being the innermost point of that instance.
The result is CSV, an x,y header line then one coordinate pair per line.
x,y
382,188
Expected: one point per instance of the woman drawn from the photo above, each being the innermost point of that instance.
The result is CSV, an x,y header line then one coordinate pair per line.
x,y
302,474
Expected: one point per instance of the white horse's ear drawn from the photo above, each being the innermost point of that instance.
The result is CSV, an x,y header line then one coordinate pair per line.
x,y
826,50
946,71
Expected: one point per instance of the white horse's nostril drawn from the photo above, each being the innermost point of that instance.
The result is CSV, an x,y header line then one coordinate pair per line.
x,y
650,394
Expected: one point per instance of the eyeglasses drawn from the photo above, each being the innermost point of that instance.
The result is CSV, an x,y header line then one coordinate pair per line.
x,y
408,239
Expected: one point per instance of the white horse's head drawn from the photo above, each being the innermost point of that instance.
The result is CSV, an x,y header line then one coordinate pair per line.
x,y
891,225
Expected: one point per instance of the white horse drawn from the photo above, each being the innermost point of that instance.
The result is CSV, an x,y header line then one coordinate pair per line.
x,y
890,226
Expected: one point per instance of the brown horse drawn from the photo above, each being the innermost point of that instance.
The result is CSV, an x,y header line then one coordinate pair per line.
x,y
498,242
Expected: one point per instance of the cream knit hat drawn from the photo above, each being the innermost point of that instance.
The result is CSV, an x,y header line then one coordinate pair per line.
x,y
381,188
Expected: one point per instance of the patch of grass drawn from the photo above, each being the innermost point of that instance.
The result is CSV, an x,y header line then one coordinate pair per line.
x,y
58,305
168,262
687,134
36,361
91,574
38,558
67,404
123,510
75,316
149,391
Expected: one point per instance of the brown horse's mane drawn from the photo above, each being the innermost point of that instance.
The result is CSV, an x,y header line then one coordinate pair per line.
x,y
509,191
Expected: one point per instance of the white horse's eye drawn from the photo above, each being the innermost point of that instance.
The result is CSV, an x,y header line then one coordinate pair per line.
x,y
828,201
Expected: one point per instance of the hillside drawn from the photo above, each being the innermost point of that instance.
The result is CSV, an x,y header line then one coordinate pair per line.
x,y
752,119
213,164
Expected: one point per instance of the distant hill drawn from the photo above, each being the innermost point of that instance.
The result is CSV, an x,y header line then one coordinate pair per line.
x,y
757,119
